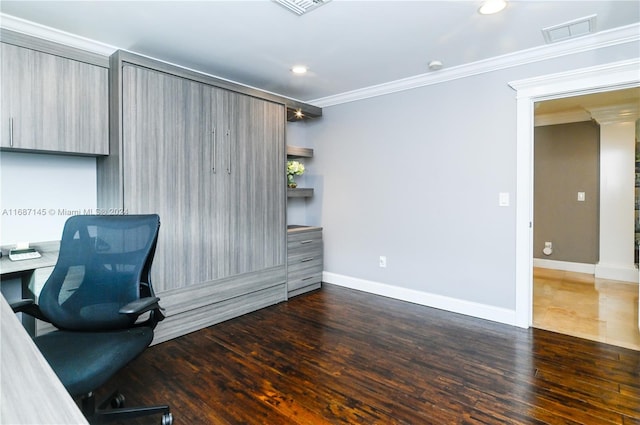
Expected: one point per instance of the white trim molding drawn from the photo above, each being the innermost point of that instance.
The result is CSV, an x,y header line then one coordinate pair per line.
x,y
51,34
562,118
566,266
597,79
613,37
616,114
481,311
621,272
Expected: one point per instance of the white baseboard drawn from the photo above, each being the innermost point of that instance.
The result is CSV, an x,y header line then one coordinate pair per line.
x,y
617,272
602,271
481,311
564,265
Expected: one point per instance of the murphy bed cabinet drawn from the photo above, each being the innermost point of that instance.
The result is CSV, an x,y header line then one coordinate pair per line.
x,y
210,161
54,98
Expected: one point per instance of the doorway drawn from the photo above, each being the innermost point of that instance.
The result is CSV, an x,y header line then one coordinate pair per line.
x,y
567,297
599,79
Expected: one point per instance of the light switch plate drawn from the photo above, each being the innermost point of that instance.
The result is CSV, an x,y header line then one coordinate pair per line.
x,y
503,199
581,196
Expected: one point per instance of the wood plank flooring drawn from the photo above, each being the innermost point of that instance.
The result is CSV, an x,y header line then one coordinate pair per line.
x,y
338,356
578,304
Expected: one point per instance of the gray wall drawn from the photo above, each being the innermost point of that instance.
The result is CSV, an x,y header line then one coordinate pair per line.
x,y
566,159
297,207
415,176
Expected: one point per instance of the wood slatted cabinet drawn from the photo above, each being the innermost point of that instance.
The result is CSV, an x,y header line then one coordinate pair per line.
x,y
53,104
209,161
304,259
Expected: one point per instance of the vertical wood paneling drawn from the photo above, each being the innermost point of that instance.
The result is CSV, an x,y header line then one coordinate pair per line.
x,y
258,185
210,162
56,104
166,169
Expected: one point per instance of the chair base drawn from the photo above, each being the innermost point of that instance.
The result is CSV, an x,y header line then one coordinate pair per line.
x,y
116,400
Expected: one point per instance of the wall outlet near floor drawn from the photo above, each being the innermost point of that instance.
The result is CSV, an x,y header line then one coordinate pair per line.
x,y
383,261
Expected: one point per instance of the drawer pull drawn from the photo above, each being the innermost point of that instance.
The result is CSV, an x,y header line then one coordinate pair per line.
x,y
305,260
308,278
306,242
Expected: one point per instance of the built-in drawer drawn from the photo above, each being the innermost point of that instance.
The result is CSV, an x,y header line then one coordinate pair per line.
x,y
297,283
304,240
304,260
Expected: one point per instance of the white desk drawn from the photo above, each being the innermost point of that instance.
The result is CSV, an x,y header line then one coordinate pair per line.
x,y
30,391
17,277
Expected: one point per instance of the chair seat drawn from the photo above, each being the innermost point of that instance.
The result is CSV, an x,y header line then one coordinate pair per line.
x,y
97,356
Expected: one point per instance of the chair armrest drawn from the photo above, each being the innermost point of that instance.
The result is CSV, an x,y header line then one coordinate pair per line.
x,y
28,307
20,305
140,306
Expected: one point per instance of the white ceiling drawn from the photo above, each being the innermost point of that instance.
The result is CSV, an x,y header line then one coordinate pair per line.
x,y
347,45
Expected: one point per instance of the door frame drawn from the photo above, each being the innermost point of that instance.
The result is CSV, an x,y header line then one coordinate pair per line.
x,y
597,79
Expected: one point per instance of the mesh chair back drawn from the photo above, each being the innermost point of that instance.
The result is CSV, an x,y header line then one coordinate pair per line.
x,y
104,263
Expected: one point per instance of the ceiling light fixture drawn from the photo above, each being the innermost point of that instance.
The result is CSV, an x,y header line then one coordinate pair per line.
x,y
489,7
299,114
299,69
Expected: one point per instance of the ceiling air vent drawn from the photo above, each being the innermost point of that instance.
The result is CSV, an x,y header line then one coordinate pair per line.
x,y
300,7
571,29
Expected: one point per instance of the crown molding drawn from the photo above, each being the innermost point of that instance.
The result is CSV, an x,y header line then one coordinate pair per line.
x,y
613,37
615,114
610,76
33,29
616,36
562,118
51,34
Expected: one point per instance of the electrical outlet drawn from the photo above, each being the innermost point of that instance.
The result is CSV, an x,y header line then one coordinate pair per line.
x,y
383,261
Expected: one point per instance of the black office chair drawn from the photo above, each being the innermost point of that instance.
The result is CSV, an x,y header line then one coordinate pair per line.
x,y
100,298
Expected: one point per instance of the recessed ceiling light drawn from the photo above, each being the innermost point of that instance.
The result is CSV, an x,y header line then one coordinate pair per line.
x,y
490,7
299,69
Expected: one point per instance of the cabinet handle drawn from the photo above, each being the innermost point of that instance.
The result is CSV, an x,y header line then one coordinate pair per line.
x,y
306,242
228,135
214,153
306,260
11,132
308,278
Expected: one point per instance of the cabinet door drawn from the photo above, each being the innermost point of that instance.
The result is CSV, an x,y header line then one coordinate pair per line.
x,y
53,104
257,191
167,165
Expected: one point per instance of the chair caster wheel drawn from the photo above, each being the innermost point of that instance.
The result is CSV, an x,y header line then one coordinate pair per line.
x,y
167,419
117,401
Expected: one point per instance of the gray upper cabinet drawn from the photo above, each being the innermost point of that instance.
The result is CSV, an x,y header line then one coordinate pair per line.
x,y
52,103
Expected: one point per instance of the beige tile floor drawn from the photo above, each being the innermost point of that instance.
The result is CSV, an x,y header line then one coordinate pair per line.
x,y
580,305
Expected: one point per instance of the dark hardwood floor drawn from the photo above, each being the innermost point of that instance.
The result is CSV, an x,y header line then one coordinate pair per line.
x,y
338,356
